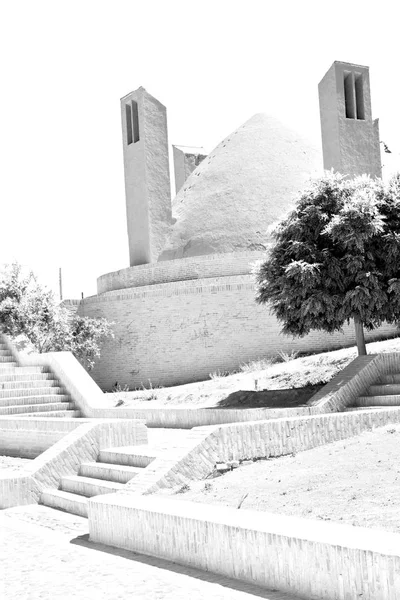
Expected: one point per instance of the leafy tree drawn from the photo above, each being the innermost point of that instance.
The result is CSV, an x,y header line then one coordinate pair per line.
x,y
29,310
336,257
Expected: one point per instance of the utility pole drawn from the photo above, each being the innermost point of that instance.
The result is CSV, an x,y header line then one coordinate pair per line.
x,y
60,283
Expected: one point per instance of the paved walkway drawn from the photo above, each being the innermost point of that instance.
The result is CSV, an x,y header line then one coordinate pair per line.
x,y
45,555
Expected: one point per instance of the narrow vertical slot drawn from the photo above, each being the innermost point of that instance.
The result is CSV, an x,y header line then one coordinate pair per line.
x,y
135,121
359,88
128,111
349,96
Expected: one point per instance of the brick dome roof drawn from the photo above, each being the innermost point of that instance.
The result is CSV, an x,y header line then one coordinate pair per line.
x,y
242,188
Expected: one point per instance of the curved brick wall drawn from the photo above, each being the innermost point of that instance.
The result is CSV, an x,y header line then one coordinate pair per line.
x,y
199,267
175,333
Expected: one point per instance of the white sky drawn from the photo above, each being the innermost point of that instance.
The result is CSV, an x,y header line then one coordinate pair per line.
x,y
213,63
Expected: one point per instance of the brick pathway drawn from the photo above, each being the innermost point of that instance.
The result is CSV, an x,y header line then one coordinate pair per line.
x,y
45,555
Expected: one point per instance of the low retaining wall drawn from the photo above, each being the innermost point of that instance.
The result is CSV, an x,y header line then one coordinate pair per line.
x,y
28,437
65,456
206,446
316,560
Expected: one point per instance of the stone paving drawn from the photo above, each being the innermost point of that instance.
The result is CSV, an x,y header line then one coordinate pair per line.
x,y
46,555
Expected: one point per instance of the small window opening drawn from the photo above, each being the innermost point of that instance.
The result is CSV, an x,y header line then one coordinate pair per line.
x,y
359,96
349,96
132,122
128,110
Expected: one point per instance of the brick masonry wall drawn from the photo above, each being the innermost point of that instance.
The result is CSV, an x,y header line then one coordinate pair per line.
x,y
313,559
27,438
174,333
198,267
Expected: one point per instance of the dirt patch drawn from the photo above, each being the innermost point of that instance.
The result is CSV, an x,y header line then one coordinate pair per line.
x,y
356,482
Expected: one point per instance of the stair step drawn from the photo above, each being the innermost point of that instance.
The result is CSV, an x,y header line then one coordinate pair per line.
x,y
390,400
133,456
354,408
59,414
109,472
14,369
30,400
392,378
72,503
29,392
35,408
5,352
6,361
88,486
384,389
24,384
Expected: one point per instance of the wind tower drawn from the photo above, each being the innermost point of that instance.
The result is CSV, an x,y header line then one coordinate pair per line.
x,y
350,138
147,181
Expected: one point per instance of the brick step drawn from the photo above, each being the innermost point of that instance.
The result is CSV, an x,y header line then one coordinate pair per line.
x,y
7,378
108,472
7,361
89,487
56,414
5,352
14,369
35,408
384,389
392,400
354,408
25,384
30,400
132,456
72,503
392,378
30,392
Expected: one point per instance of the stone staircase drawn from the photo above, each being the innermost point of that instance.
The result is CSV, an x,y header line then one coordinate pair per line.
x,y
383,394
31,391
113,469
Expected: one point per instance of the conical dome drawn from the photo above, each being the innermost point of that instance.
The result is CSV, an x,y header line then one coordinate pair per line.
x,y
242,188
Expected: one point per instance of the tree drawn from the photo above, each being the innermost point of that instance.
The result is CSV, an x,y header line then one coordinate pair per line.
x,y
28,309
336,257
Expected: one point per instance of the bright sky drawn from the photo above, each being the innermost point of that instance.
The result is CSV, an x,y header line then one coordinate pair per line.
x,y
213,63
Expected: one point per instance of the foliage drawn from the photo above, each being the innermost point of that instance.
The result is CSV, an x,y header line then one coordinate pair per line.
x,y
336,257
30,310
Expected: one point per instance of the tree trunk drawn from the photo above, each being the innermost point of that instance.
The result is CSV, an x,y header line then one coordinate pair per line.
x,y
362,350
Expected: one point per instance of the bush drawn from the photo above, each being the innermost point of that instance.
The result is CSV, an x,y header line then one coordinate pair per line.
x,y
29,310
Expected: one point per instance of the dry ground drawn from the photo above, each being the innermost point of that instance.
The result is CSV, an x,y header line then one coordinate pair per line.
x,y
355,481
307,372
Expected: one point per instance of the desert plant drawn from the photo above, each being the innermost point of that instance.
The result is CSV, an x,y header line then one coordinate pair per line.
x,y
287,356
260,364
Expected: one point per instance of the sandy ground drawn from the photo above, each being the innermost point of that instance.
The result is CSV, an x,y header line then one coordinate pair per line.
x,y
355,481
45,554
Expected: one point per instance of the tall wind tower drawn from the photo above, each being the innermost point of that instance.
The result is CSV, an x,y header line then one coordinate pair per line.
x,y
147,182
350,138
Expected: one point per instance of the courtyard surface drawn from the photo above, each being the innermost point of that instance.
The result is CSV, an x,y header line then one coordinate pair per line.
x,y
355,482
45,554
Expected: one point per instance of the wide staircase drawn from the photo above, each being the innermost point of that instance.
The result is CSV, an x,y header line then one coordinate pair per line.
x,y
31,391
112,470
383,393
